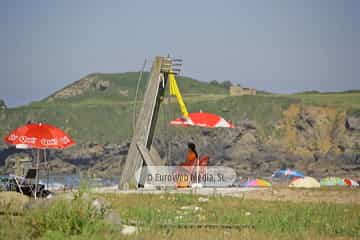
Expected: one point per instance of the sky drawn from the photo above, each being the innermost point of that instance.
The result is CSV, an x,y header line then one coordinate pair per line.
x,y
274,45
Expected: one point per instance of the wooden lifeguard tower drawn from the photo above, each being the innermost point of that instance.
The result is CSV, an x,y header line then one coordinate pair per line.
x,y
141,152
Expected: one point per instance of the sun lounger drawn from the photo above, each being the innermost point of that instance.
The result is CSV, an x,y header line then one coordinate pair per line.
x,y
26,184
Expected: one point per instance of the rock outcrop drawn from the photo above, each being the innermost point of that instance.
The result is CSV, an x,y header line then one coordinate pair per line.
x,y
353,123
84,85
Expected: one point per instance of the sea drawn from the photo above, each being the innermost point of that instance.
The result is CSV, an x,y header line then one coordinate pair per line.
x,y
74,181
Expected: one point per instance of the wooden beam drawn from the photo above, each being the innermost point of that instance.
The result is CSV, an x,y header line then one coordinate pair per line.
x,y
146,123
145,154
155,156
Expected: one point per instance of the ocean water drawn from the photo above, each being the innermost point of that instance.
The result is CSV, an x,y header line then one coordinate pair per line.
x,y
73,181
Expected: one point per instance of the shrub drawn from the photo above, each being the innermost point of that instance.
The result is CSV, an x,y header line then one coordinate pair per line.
x,y
64,217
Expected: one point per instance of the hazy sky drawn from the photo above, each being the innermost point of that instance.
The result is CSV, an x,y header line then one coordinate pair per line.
x,y
280,46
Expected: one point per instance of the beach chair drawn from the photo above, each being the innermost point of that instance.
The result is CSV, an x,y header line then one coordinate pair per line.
x,y
203,163
26,184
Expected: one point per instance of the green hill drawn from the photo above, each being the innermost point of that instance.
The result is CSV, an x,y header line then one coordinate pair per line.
x,y
120,87
99,107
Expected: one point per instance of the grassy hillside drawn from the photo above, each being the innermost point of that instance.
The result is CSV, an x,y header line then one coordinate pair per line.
x,y
122,87
105,113
349,101
100,115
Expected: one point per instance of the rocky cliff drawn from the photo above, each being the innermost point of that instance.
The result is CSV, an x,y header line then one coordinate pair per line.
x,y
319,141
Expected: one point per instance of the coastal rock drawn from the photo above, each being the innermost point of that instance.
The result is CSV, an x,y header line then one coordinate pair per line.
x,y
102,85
14,160
203,199
38,204
113,217
247,139
100,206
247,125
191,208
353,123
60,166
247,213
13,201
129,230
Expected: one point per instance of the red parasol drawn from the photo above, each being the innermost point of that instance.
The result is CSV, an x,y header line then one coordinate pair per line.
x,y
202,119
39,136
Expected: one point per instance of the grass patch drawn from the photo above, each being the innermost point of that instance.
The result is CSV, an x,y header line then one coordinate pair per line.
x,y
348,100
58,219
65,218
279,219
77,219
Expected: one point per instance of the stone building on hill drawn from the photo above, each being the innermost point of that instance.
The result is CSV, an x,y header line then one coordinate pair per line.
x,y
241,91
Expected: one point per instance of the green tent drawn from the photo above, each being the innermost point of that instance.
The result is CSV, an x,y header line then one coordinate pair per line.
x,y
332,181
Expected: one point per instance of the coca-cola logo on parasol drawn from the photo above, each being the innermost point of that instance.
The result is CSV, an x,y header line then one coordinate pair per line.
x,y
49,142
13,137
64,140
27,140
55,141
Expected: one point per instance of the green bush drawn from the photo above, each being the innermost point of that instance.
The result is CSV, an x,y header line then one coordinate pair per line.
x,y
65,218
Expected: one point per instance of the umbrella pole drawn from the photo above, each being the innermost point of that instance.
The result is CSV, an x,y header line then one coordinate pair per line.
x,y
37,172
47,170
197,172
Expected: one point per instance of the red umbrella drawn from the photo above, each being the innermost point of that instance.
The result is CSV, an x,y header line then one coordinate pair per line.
x,y
39,136
350,182
202,119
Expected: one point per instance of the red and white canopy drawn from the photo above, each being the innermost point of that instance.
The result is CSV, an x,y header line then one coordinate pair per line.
x,y
350,182
202,119
39,135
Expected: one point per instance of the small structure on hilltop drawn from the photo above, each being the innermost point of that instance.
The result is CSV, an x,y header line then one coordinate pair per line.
x,y
2,110
241,91
2,105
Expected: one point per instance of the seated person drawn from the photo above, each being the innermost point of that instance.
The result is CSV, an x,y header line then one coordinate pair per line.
x,y
188,166
191,156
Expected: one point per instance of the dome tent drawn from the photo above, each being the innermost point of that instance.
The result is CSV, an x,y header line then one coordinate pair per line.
x,y
289,173
256,183
306,182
